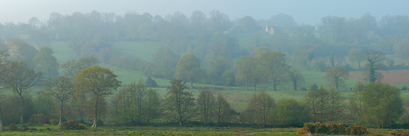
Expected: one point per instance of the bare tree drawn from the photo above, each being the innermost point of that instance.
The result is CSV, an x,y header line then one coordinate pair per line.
x,y
295,77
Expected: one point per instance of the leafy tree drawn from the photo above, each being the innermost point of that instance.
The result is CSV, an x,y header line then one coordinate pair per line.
x,y
188,69
382,102
246,68
3,71
355,104
261,106
248,25
97,80
336,105
153,103
19,79
333,26
317,99
274,67
222,109
62,89
166,60
206,103
217,66
73,67
140,99
356,55
289,113
228,78
295,77
21,51
336,76
46,62
374,62
179,101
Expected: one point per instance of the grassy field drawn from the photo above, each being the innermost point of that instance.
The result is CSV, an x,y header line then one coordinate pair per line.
x,y
169,131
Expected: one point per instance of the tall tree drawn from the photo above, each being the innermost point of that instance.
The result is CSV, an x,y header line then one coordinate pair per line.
x,y
99,81
153,103
46,62
166,59
4,68
295,77
246,68
317,101
62,89
274,67
261,105
336,76
73,67
336,105
222,109
22,51
355,104
374,62
206,103
188,69
140,99
179,101
356,55
287,111
382,102
19,78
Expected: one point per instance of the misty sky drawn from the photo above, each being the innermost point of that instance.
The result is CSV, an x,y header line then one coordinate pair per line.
x,y
304,11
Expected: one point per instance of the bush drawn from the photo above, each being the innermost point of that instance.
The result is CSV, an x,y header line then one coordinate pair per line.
x,y
12,127
24,127
404,88
33,129
38,119
54,122
399,132
356,130
71,125
331,129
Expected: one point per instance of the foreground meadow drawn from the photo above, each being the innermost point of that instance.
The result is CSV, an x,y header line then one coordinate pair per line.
x,y
169,131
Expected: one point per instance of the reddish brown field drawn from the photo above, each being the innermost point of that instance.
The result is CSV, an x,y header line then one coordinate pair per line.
x,y
391,76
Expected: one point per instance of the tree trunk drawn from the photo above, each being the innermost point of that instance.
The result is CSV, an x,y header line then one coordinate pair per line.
x,y
1,120
22,110
359,65
247,88
191,85
372,75
62,104
95,112
295,85
180,120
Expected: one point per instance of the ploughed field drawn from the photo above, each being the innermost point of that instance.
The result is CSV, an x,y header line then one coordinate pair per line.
x,y
390,77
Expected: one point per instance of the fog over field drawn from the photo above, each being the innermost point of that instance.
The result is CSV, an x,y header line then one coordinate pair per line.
x,y
304,12
204,67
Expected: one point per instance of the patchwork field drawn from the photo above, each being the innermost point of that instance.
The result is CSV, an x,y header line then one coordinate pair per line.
x,y
390,77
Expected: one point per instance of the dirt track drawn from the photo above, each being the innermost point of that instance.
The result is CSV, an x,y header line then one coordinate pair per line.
x,y
391,76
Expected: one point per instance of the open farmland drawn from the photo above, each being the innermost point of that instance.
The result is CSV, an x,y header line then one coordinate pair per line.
x,y
390,77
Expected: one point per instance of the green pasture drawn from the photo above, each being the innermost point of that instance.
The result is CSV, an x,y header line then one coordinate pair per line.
x,y
167,131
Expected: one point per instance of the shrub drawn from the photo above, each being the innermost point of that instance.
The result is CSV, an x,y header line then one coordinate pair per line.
x,y
331,129
33,129
404,88
53,121
399,132
12,127
24,127
38,119
356,130
71,125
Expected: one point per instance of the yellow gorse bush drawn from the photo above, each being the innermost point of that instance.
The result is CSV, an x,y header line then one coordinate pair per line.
x,y
331,129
